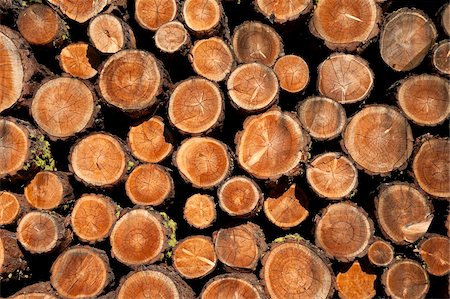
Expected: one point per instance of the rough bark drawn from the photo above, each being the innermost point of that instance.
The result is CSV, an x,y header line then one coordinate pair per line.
x,y
11,257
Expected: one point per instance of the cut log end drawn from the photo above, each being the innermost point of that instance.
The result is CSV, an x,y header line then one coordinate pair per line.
x,y
14,146
80,12
282,11
11,257
332,175
380,253
10,207
39,24
355,283
40,290
202,16
292,72
152,15
108,33
235,285
441,56
240,196
445,21
75,60
171,37
434,252
200,211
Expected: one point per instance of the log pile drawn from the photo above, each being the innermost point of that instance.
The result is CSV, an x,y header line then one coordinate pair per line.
x,y
224,149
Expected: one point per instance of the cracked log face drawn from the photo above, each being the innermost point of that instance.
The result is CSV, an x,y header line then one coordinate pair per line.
x,y
355,283
380,253
272,144
343,231
202,15
239,196
10,207
294,270
152,14
99,160
11,73
406,38
345,78
74,60
232,286
81,272
434,252
283,11
403,213
47,190
332,175
379,139
292,72
93,217
80,11
196,106
38,24
194,257
425,99
14,147
441,56
256,42
431,167
131,80
200,211
171,37
107,33
63,107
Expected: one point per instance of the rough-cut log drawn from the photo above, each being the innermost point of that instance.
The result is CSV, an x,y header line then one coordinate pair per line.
x,y
154,282
172,37
196,106
63,107
288,210
240,196
203,161
131,80
345,24
109,34
43,232
139,237
200,211
240,247
403,213
81,272
380,253
194,257
283,11
99,160
434,252
40,25
292,72
332,176
11,257
445,19
344,231
80,11
149,184
12,206
48,190
322,117
253,87
75,60
40,290
203,17
294,269
212,58
431,167
441,56
345,78
425,99
356,283
271,144
152,14
256,42
236,285
406,279
148,141
379,139
406,38
93,217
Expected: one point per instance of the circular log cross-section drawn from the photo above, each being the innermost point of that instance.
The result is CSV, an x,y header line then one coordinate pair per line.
x,y
445,19
11,73
200,211
283,11
406,279
93,217
39,24
149,184
403,213
240,196
99,160
171,37
203,161
196,106
292,72
323,118
256,42
380,253
81,272
11,257
138,238
406,38
74,60
441,56
425,99
343,231
148,142
294,270
272,144
202,16
345,78
40,290
253,87
152,15
14,146
109,34
234,285
355,283
11,206
131,80
379,139
212,58
63,107
80,11
431,167
332,176
194,257
434,252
